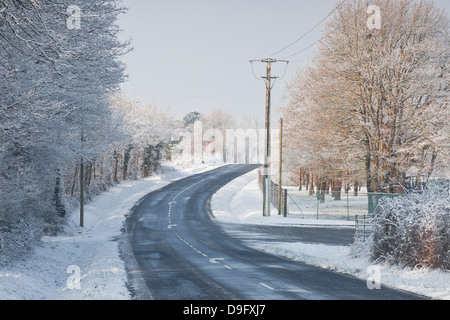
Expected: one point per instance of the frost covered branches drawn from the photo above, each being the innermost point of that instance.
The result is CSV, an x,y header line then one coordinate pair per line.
x,y
54,107
413,230
376,99
149,131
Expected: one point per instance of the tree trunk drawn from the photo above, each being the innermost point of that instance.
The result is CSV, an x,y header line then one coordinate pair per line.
x,y
370,196
60,209
321,186
355,188
337,186
81,193
115,170
126,159
300,172
432,162
74,180
311,180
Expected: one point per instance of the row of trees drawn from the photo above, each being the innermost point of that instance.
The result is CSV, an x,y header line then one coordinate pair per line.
x,y
373,102
61,114
312,180
142,141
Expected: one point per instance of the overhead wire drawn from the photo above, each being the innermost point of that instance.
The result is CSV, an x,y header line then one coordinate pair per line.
x,y
322,38
309,31
326,35
253,71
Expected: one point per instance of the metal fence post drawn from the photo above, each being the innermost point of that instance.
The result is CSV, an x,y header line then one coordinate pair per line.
x,y
285,209
317,197
348,209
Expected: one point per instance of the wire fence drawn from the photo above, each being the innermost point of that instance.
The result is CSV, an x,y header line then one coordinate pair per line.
x,y
338,205
325,204
274,196
363,227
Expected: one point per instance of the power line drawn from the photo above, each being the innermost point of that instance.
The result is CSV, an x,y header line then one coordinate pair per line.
x,y
309,31
326,35
304,49
253,71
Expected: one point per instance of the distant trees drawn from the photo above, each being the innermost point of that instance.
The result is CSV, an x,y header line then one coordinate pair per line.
x,y
217,137
190,118
148,130
374,101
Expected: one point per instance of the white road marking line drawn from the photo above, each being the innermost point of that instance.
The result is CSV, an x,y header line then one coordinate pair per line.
x,y
228,267
215,260
172,225
190,246
267,286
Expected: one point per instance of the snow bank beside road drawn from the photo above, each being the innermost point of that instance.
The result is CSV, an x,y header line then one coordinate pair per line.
x,y
91,253
241,202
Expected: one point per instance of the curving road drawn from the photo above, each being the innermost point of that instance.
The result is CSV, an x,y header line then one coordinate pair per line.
x,y
180,253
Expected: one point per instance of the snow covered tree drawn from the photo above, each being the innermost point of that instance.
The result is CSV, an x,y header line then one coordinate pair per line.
x,y
413,230
149,131
378,98
55,84
190,118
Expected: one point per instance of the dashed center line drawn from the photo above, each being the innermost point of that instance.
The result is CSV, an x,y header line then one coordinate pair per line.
x,y
170,226
190,246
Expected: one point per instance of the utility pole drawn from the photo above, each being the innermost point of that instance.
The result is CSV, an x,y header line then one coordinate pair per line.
x,y
280,169
81,192
267,149
82,184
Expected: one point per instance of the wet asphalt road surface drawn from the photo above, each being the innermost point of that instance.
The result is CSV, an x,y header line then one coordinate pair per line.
x,y
175,251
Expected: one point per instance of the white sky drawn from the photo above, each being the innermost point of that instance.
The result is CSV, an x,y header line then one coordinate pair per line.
x,y
194,55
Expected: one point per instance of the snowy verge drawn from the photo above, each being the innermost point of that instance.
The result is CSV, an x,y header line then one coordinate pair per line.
x,y
90,254
240,201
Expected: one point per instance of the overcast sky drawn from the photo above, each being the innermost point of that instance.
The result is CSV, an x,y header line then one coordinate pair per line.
x,y
194,55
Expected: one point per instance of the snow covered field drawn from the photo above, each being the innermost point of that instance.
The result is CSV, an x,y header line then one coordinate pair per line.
x,y
92,253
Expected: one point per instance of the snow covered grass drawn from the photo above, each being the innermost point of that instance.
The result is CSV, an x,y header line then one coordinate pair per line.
x,y
52,269
300,202
241,202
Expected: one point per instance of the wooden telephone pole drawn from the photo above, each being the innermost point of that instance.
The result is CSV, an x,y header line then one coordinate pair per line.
x,y
267,149
280,169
